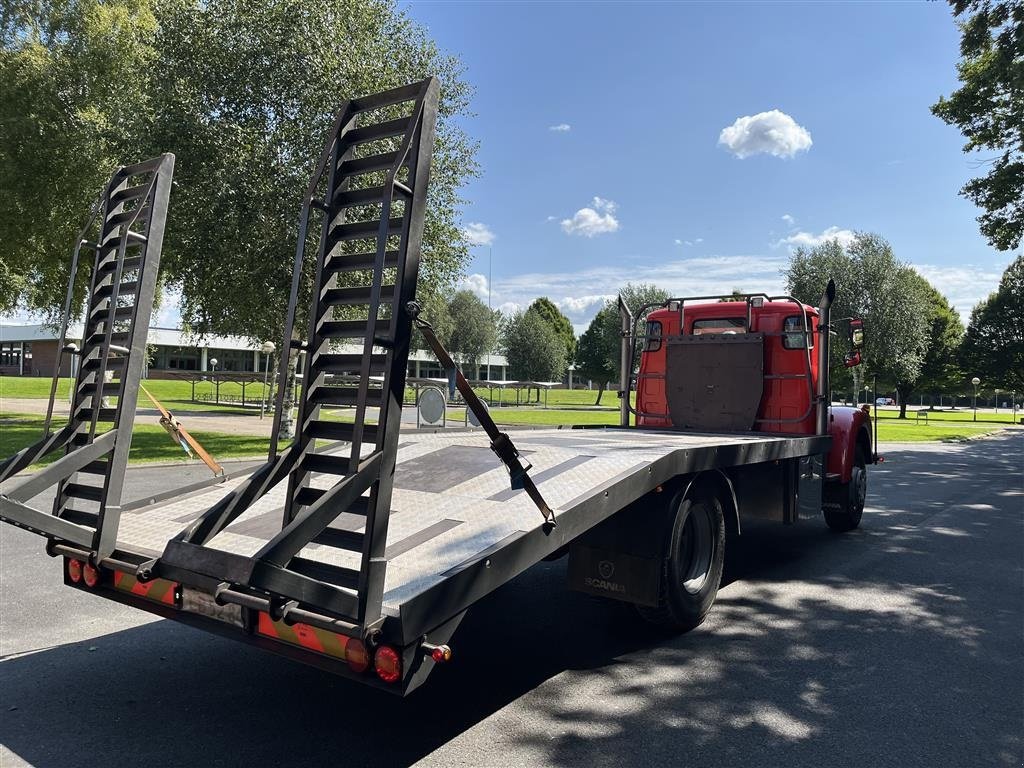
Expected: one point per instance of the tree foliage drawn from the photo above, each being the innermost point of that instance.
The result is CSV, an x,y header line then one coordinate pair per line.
x,y
993,347
593,360
988,108
600,346
940,370
559,322
473,333
243,94
871,283
533,349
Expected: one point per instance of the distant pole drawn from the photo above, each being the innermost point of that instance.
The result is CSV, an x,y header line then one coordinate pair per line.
x,y
490,253
975,381
267,349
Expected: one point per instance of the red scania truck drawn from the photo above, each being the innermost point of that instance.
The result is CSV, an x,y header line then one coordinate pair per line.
x,y
359,546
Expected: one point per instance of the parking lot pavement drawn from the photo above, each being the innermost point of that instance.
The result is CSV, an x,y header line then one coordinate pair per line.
x,y
897,644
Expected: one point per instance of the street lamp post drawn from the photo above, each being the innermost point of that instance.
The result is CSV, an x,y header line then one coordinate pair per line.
x,y
866,390
975,381
997,399
213,375
267,349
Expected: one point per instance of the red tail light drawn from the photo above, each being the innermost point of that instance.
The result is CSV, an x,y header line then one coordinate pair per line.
x,y
74,570
356,656
388,664
441,653
90,575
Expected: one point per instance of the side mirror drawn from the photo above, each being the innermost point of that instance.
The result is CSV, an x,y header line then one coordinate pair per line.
x,y
852,359
856,336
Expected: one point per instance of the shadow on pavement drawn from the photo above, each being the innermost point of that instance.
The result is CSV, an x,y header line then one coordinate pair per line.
x,y
894,644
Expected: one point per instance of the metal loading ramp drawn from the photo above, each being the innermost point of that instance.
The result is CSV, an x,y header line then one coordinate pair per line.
x,y
452,506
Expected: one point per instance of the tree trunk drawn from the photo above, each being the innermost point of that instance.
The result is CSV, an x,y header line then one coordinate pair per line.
x,y
600,391
287,430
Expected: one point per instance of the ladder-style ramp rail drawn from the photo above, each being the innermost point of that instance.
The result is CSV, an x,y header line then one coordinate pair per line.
x,y
370,190
125,233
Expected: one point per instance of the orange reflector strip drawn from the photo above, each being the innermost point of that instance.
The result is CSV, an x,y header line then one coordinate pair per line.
x,y
305,636
157,590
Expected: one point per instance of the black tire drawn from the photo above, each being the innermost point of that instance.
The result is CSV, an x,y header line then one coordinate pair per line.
x,y
692,568
844,502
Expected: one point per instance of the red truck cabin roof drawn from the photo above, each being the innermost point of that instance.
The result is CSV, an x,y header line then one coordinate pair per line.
x,y
786,402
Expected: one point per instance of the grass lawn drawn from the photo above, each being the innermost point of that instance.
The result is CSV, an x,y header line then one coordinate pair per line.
x,y
149,442
962,415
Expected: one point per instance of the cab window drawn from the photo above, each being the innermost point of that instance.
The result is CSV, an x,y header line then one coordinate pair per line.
x,y
653,336
719,325
793,333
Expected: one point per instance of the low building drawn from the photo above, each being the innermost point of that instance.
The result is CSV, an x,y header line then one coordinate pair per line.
x,y
31,350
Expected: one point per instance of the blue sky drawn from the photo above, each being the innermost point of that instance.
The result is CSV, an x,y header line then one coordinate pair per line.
x,y
601,132
693,145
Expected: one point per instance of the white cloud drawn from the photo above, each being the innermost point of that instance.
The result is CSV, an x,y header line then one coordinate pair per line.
x,y
810,240
511,307
699,240
963,285
597,219
478,234
678,241
582,304
560,128
774,133
476,283
788,219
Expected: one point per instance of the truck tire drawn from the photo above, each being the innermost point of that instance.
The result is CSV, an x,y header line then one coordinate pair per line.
x,y
844,502
692,568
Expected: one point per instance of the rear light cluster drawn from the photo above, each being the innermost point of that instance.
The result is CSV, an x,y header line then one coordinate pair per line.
x,y
80,572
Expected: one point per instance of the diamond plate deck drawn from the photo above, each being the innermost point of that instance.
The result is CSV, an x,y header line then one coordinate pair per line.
x,y
451,500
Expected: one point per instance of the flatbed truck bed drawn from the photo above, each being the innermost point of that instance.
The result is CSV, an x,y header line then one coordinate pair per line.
x,y
457,530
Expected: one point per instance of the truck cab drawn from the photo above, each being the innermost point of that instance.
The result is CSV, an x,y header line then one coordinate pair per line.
x,y
704,365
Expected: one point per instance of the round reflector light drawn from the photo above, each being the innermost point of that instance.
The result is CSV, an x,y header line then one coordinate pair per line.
x,y
90,575
74,570
441,654
388,664
356,656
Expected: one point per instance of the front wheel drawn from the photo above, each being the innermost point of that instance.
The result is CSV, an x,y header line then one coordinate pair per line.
x,y
844,502
692,568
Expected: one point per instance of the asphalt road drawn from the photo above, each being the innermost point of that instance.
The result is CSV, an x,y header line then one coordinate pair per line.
x,y
899,644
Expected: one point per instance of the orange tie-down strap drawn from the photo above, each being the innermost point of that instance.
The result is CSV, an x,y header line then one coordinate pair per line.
x,y
181,436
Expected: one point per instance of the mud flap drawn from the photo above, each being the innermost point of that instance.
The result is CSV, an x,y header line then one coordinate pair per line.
x,y
618,575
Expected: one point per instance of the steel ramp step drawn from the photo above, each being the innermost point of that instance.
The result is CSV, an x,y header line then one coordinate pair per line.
x,y
336,575
128,193
339,430
324,395
79,517
106,291
351,329
376,131
361,230
358,262
336,538
347,363
80,491
370,164
130,264
336,297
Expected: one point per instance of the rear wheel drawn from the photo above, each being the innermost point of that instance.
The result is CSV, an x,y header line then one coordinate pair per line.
x,y
692,569
844,502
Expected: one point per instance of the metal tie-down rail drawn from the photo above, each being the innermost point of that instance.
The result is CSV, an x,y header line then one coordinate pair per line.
x,y
125,232
370,187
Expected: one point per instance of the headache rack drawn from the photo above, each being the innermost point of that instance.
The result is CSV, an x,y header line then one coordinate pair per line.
x,y
124,232
369,190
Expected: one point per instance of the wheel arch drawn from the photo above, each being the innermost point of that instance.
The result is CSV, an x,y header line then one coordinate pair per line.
x,y
718,482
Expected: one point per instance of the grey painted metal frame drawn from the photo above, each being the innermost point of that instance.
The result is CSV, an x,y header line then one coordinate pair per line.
x,y
131,211
345,178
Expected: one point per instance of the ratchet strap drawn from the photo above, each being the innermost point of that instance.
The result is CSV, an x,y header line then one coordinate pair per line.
x,y
501,443
181,436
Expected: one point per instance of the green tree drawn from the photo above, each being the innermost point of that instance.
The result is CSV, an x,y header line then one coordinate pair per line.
x,y
76,84
559,322
988,108
243,94
593,361
599,356
993,347
473,332
939,368
533,350
871,283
